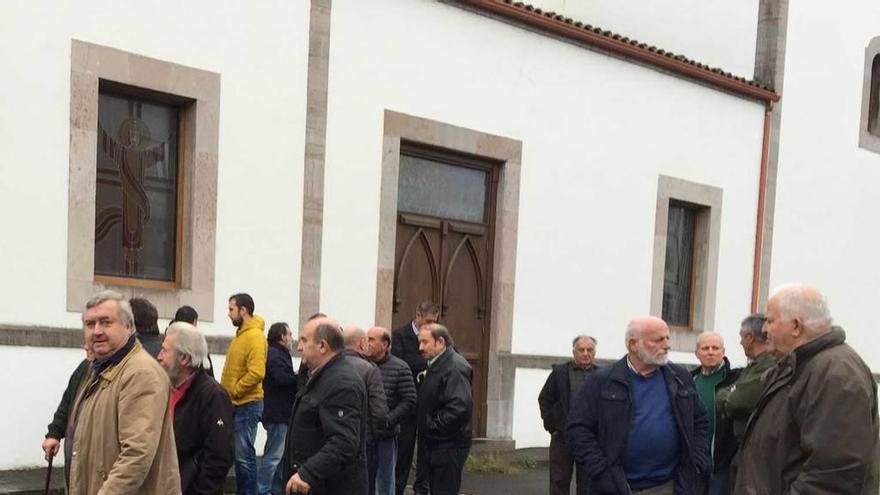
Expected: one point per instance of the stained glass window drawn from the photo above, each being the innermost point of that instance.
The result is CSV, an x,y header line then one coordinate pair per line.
x,y
137,188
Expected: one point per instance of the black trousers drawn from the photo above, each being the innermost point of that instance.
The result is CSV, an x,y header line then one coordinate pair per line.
x,y
444,468
406,446
562,466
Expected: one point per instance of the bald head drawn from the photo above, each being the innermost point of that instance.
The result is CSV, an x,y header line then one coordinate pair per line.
x,y
640,323
319,341
796,314
378,343
355,338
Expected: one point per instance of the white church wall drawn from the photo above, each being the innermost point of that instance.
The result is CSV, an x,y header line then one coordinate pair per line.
x,y
827,202
261,53
596,134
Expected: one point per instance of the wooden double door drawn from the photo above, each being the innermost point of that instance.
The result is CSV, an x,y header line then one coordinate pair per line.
x,y
444,248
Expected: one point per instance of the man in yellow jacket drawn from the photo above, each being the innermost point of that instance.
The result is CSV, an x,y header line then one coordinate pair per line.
x,y
242,378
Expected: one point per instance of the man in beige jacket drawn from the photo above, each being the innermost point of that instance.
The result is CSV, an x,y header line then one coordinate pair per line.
x,y
119,437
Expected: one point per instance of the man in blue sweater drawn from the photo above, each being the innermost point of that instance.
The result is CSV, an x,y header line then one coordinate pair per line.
x,y
638,426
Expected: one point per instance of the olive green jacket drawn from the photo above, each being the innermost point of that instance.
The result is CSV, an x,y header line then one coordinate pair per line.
x,y
737,401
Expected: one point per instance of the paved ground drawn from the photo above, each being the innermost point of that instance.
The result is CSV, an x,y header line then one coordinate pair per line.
x,y
527,481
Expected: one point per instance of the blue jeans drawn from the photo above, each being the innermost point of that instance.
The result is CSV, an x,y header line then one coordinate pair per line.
x,y
381,458
246,418
275,435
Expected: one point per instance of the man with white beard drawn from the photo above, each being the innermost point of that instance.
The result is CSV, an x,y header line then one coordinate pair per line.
x,y
201,411
638,426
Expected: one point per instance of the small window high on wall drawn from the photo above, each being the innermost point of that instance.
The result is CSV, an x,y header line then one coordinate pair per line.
x,y
686,246
873,103
138,194
869,128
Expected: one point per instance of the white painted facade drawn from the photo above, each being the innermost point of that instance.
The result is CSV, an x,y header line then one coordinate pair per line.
x,y
596,132
261,54
827,202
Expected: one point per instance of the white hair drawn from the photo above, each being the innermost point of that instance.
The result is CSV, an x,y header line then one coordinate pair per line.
x,y
632,333
805,303
190,342
709,333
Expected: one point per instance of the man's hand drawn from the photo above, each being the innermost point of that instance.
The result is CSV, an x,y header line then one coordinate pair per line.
x,y
51,447
297,485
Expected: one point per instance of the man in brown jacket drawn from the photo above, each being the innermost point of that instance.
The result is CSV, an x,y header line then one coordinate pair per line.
x,y
815,428
119,437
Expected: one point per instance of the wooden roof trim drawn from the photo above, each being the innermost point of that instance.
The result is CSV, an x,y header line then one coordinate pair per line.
x,y
622,46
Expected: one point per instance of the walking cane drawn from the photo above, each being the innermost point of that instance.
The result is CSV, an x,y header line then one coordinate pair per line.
x,y
48,476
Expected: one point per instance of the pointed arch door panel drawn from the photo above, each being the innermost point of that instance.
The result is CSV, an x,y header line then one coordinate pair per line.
x,y
444,253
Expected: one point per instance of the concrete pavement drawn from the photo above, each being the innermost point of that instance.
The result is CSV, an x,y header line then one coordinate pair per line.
x,y
526,481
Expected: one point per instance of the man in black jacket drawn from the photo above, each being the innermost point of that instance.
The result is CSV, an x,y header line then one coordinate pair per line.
x,y
405,345
377,405
444,411
400,392
145,322
279,390
56,429
324,451
201,411
554,401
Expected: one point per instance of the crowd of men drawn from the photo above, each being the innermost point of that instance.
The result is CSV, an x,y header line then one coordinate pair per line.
x,y
143,414
800,418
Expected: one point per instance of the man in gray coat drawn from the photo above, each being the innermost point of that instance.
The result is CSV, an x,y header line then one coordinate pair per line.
x,y
377,404
815,428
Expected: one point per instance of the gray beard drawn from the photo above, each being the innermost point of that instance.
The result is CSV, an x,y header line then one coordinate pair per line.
x,y
649,359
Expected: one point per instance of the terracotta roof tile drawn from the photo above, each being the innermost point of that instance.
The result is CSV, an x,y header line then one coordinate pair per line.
x,y
626,46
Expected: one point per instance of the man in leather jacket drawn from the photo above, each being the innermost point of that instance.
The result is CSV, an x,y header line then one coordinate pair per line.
x,y
445,408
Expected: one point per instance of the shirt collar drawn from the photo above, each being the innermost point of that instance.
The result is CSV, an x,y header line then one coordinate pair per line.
x,y
634,370
413,325
117,356
186,383
714,370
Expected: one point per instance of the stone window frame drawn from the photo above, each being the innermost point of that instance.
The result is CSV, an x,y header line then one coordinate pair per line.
x,y
870,88
402,127
90,64
708,200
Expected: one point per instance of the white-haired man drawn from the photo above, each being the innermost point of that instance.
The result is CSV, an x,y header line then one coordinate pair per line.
x,y
119,436
637,426
554,401
713,375
201,411
815,428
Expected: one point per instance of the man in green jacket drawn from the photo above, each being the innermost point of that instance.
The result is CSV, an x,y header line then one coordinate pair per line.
x,y
737,401
711,377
